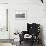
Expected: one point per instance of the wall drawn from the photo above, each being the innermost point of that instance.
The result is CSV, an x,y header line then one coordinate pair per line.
x,y
3,21
3,1
35,13
3,34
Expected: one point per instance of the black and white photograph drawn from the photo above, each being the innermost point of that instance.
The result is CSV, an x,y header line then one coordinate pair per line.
x,y
22,22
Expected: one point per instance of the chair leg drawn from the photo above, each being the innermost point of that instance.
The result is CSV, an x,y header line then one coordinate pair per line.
x,y
20,42
32,42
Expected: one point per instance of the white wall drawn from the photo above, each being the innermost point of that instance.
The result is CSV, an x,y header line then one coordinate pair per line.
x,y
3,21
35,13
3,1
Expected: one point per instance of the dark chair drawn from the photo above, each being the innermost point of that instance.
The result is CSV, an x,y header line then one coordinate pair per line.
x,y
32,29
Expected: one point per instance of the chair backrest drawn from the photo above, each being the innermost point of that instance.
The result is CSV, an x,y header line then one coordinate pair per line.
x,y
33,28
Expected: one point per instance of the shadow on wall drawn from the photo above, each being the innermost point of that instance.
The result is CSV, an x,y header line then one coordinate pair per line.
x,y
41,34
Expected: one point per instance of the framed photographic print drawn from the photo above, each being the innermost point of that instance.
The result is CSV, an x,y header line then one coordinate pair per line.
x,y
20,14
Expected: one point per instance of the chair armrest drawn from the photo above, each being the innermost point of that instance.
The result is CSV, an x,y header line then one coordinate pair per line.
x,y
24,32
22,35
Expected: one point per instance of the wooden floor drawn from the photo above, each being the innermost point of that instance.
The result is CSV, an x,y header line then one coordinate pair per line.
x,y
27,44
6,40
